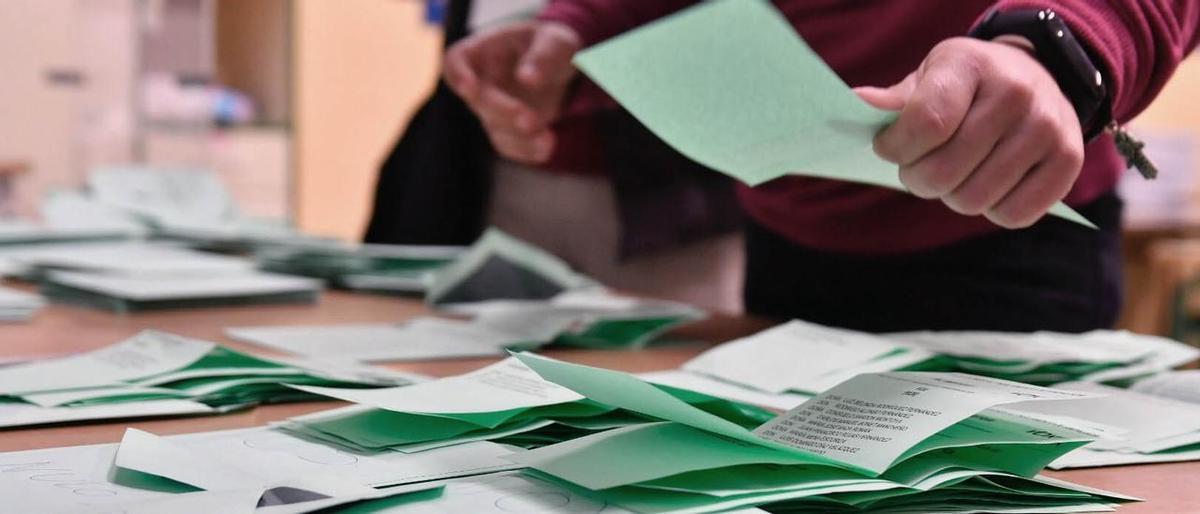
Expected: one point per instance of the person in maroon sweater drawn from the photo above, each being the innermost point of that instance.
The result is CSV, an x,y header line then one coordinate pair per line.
x,y
986,141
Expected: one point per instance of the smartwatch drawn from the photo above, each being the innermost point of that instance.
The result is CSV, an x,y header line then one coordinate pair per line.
x,y
1076,73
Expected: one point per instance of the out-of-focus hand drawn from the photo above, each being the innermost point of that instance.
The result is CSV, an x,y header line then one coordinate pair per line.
x,y
514,78
983,127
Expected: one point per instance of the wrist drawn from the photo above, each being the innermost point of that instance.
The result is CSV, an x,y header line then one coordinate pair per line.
x,y
1055,47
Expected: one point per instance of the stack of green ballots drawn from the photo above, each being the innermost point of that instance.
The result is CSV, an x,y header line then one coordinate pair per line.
x,y
155,373
885,442
505,402
1046,358
377,268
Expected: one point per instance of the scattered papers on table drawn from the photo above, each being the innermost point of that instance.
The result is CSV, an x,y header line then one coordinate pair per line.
x,y
1051,357
591,318
163,474
155,373
499,266
504,402
376,268
755,103
870,442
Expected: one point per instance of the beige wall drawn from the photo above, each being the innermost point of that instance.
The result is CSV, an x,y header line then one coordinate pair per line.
x,y
361,67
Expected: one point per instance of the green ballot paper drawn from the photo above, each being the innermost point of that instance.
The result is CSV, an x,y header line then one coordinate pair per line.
x,y
729,84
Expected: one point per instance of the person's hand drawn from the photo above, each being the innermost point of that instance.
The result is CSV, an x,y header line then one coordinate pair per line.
x,y
514,78
983,127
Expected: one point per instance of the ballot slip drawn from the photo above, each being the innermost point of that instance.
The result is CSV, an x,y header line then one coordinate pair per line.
x,y
500,266
418,339
805,358
755,103
24,233
874,441
1155,420
239,469
160,374
140,258
133,293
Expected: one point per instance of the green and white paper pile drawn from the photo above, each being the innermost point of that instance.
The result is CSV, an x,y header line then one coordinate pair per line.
x,y
1050,357
156,374
229,471
504,402
883,442
376,268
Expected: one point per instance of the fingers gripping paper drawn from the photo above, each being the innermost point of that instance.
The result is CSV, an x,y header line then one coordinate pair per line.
x,y
730,85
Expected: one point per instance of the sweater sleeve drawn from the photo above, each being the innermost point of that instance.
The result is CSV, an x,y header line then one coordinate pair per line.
x,y
597,20
1139,42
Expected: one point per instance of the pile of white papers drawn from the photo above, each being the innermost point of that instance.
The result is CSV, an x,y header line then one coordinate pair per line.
x,y
19,232
127,293
124,258
1157,420
228,471
18,305
803,357
1051,357
127,276
155,374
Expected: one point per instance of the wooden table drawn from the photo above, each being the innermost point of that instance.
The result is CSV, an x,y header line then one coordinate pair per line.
x,y
1170,488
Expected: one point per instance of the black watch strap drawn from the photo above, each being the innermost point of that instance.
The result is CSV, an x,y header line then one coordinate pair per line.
x,y
1077,74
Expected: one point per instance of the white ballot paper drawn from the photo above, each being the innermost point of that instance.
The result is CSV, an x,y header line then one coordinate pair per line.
x,y
721,389
507,493
73,478
1176,385
1153,423
506,385
127,258
151,288
235,501
423,338
148,353
802,357
872,420
24,414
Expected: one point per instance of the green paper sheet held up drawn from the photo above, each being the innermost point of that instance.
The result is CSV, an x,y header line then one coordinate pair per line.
x,y
729,84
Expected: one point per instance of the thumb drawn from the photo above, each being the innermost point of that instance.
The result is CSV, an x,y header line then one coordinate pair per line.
x,y
888,98
547,61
